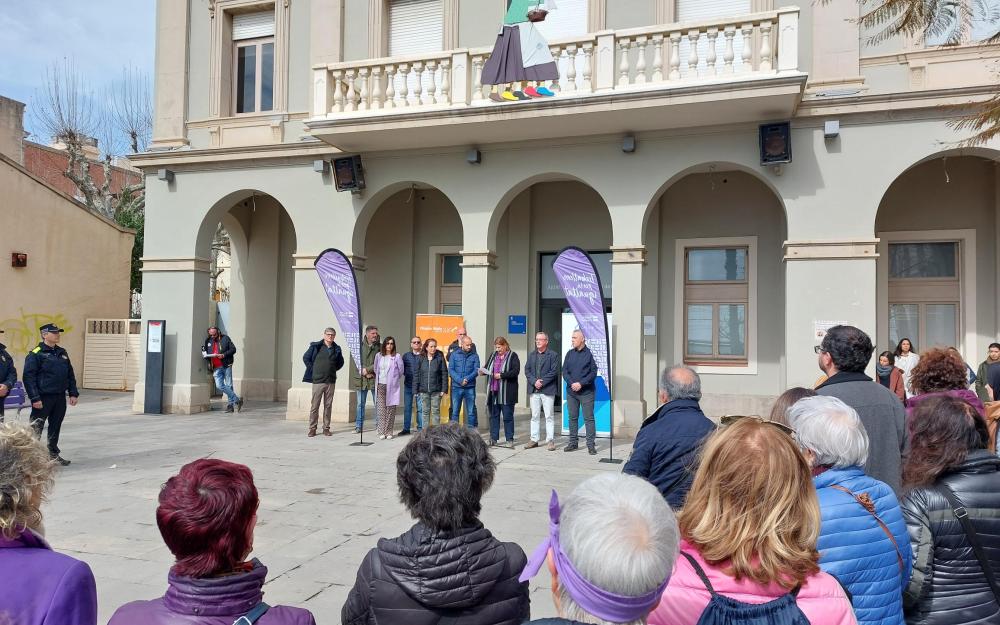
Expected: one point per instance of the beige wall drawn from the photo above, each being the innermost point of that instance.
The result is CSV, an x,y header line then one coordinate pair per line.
x,y
957,193
78,266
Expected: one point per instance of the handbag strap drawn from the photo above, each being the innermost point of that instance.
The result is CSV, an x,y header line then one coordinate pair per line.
x,y
865,501
962,514
253,615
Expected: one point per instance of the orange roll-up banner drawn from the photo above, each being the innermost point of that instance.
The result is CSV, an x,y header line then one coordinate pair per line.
x,y
443,329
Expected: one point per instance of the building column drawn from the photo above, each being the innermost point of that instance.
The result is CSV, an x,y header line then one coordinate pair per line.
x,y
312,314
627,264
478,283
171,80
836,49
830,281
176,290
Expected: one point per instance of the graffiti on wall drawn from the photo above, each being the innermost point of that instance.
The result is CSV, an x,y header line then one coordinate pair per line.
x,y
21,333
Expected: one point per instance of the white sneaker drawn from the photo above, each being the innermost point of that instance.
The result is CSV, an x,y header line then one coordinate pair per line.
x,y
389,437
382,437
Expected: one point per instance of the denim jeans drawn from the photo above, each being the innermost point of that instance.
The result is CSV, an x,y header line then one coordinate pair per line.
x,y
224,382
507,411
408,398
468,394
429,407
359,421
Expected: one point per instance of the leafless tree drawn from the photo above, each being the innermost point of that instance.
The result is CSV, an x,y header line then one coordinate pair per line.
x,y
221,244
68,111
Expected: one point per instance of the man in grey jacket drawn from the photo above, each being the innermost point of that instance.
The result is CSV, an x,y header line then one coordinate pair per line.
x,y
542,373
843,356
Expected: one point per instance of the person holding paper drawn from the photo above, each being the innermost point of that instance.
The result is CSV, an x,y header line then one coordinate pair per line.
x,y
463,367
503,367
218,351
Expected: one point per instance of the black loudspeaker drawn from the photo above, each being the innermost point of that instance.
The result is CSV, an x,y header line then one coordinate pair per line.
x,y
775,143
348,173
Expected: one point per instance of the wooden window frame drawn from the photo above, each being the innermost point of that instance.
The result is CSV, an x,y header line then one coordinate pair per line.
x,y
259,43
922,292
439,295
716,293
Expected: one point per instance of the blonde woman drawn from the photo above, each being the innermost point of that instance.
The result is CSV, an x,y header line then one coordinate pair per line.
x,y
749,529
39,585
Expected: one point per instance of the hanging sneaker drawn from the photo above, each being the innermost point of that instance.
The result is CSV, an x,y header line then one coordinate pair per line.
x,y
520,95
545,91
496,97
509,96
532,92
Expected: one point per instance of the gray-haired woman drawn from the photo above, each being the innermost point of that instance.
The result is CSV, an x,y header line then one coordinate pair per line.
x,y
863,539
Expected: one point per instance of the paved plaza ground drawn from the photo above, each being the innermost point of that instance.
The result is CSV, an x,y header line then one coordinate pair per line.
x,y
324,504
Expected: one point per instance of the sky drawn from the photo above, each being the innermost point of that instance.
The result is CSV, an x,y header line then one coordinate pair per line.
x,y
100,37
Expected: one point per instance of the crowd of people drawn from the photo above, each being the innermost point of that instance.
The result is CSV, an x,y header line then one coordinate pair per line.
x,y
846,505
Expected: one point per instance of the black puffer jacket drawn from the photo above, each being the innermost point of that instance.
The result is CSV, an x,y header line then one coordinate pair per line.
x,y
465,577
948,586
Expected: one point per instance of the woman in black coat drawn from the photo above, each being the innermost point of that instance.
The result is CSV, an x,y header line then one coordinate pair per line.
x,y
430,382
447,568
504,367
951,476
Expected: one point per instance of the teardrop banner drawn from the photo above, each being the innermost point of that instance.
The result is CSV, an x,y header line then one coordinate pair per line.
x,y
336,274
577,275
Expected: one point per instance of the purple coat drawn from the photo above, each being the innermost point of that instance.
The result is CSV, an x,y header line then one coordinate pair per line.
x,y
42,587
393,381
209,601
963,393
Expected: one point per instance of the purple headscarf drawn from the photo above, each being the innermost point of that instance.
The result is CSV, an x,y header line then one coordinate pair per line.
x,y
601,603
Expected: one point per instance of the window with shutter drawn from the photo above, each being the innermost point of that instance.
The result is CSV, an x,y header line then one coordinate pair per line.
x,y
568,19
253,62
253,25
415,27
702,10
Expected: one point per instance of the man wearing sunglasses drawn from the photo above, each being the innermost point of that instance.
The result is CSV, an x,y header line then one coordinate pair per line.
x,y
668,441
843,356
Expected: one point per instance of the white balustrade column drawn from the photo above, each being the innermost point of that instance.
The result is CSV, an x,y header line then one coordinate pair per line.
x,y
675,56
446,82
477,71
352,94
640,62
713,34
570,68
765,46
418,84
378,94
729,55
390,86
657,58
623,62
693,53
747,32
556,52
404,87
366,96
588,67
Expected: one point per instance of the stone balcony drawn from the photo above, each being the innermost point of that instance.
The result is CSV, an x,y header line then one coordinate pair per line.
x,y
740,69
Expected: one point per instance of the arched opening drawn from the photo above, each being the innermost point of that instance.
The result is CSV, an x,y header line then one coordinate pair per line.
x,y
937,267
411,242
715,286
252,298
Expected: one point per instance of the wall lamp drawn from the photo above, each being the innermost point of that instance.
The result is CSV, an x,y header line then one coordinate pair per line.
x,y
165,174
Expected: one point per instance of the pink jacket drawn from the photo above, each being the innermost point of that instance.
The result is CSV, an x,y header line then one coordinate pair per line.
x,y
821,598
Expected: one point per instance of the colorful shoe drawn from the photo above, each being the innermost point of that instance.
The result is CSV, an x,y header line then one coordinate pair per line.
x,y
509,96
520,95
545,91
496,97
532,92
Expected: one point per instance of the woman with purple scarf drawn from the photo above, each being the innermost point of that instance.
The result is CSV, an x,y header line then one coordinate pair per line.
x,y
39,585
503,367
610,551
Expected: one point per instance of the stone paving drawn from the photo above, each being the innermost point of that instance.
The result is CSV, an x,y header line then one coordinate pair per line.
x,y
324,504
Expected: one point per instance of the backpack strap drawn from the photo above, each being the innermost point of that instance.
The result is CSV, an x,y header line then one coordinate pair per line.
x,y
700,571
253,615
962,514
865,501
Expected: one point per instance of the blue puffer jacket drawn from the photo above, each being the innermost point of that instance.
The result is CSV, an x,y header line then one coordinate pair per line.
x,y
854,547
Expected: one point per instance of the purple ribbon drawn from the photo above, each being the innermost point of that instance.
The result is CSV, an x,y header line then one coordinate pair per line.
x,y
601,603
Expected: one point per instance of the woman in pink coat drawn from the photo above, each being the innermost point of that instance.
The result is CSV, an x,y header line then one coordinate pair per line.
x,y
749,528
388,381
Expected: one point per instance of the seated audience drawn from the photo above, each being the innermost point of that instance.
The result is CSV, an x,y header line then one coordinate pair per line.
x,y
610,550
206,516
952,511
749,530
889,375
941,372
39,586
668,441
779,411
447,568
862,538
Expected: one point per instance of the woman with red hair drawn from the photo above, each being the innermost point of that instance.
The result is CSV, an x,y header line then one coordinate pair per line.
x,y
206,516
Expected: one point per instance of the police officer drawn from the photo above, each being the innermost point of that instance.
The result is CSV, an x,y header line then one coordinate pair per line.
x,y
48,377
8,375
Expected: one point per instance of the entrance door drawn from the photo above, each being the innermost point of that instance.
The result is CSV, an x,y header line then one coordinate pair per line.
x,y
111,353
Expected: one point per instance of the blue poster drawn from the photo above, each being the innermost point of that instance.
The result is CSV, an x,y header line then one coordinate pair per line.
x,y
602,401
517,324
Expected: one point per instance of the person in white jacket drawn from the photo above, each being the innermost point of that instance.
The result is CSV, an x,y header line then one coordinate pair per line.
x,y
906,359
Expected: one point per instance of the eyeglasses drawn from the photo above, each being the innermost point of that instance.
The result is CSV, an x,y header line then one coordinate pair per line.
x,y
731,419
819,349
414,342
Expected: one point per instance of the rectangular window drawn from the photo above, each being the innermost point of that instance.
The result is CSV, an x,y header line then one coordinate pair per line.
x,y
253,84
451,269
448,279
924,293
704,10
716,300
415,27
981,18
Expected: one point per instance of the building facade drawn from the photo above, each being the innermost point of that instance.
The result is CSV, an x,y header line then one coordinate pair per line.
x,y
709,257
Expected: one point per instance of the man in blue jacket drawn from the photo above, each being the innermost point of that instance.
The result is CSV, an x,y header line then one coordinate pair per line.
x,y
668,441
463,367
410,361
48,378
8,375
580,373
